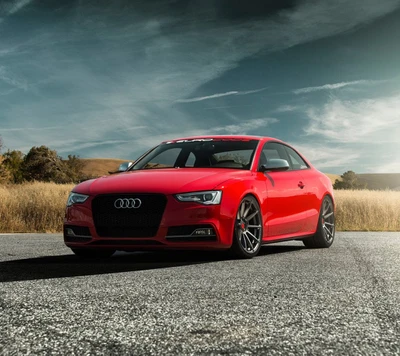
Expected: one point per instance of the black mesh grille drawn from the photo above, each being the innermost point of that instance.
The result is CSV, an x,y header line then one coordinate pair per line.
x,y
128,222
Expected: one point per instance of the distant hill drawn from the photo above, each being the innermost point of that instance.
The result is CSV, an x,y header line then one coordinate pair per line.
x,y
375,181
381,181
97,167
333,177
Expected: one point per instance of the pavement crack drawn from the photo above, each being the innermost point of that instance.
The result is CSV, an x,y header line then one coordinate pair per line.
x,y
377,288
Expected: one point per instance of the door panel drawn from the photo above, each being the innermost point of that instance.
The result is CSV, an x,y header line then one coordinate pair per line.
x,y
312,203
285,209
287,195
310,181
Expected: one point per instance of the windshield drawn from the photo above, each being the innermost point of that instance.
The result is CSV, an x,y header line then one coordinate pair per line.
x,y
232,153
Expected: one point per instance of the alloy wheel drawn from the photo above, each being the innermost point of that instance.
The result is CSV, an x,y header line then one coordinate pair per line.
x,y
248,226
328,220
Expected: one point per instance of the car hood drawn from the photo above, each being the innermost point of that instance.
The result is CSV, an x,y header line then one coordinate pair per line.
x,y
165,181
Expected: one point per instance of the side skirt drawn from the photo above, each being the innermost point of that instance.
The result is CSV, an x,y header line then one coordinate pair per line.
x,y
296,238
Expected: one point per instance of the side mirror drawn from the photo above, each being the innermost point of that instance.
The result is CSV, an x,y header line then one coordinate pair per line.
x,y
124,166
274,165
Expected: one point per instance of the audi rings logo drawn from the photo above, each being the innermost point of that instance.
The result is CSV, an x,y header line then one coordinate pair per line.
x,y
131,203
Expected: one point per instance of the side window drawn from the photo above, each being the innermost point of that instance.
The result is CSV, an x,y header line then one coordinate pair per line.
x,y
273,150
190,161
295,160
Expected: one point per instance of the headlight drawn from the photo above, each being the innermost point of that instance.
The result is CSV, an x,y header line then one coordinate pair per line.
x,y
212,197
75,198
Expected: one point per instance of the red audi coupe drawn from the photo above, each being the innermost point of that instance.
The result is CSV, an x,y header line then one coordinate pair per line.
x,y
198,193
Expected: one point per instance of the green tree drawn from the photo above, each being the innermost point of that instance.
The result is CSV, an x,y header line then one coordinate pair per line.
x,y
40,164
4,176
12,163
43,164
349,180
74,166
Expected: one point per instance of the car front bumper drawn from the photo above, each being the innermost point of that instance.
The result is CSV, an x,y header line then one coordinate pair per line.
x,y
184,225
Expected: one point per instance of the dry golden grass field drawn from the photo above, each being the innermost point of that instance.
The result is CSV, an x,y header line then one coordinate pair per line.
x,y
367,210
39,207
33,207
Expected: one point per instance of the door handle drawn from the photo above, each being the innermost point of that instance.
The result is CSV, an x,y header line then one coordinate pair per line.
x,y
301,185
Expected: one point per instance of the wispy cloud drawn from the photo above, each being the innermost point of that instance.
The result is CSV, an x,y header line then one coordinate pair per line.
x,y
18,5
356,120
287,108
11,7
7,92
219,95
134,128
11,79
141,60
227,107
244,127
241,128
330,86
16,129
391,167
323,156
360,133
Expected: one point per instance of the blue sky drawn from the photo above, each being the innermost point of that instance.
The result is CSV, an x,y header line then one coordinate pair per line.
x,y
113,78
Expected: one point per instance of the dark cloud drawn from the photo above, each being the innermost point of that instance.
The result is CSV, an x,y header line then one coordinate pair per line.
x,y
235,10
225,9
244,10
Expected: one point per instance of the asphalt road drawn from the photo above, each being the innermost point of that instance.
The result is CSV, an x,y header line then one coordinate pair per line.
x,y
288,301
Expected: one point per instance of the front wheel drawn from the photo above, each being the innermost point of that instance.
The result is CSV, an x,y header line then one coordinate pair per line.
x,y
325,234
92,253
248,229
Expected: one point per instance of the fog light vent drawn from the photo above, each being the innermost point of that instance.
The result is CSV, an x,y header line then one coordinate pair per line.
x,y
203,232
189,233
79,231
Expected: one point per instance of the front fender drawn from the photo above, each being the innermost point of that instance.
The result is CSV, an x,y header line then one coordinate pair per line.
x,y
235,190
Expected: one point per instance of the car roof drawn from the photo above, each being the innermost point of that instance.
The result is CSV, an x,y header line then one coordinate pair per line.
x,y
228,137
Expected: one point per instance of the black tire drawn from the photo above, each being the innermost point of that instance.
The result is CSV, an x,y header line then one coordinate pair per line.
x,y
92,253
325,234
248,229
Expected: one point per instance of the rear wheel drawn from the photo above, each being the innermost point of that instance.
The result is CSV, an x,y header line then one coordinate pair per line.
x,y
248,229
92,253
325,234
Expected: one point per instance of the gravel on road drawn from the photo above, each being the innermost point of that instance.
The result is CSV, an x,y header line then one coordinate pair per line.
x,y
287,301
